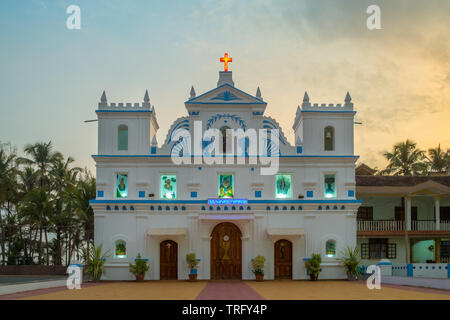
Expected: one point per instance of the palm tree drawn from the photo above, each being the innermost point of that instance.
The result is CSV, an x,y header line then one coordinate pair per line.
x,y
405,159
38,207
82,194
439,160
8,196
43,157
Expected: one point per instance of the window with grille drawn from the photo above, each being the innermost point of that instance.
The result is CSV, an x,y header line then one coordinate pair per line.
x,y
445,249
392,251
364,251
378,248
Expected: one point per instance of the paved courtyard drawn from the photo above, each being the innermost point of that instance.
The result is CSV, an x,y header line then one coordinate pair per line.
x,y
232,290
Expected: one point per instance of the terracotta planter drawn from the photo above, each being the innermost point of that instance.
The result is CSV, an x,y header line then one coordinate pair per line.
x,y
192,277
259,277
139,277
313,277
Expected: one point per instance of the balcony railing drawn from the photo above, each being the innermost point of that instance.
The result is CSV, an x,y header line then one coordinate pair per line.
x,y
381,225
399,225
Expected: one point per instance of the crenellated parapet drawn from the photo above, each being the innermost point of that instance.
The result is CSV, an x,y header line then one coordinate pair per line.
x,y
307,106
103,105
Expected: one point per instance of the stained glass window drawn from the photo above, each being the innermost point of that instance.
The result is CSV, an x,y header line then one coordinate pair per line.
x,y
122,137
330,249
330,186
328,138
168,186
226,186
283,186
121,249
122,185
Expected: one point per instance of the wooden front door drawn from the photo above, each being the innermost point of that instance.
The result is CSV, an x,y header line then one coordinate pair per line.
x,y
283,259
168,260
226,252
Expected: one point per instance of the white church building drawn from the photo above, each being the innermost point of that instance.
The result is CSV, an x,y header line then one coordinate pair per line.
x,y
226,213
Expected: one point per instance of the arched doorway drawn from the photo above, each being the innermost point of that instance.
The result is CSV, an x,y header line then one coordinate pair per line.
x,y
283,259
168,260
226,252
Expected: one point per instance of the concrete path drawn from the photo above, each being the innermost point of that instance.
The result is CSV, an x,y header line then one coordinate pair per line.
x,y
228,290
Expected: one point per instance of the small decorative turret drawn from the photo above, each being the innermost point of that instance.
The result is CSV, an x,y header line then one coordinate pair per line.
x,y
348,98
192,93
103,98
154,141
146,97
258,93
306,97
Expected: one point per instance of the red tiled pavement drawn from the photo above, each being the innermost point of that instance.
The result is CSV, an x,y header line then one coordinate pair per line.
x,y
26,294
228,290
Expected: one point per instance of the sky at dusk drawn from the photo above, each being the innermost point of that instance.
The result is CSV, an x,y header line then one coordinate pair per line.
x,y
51,78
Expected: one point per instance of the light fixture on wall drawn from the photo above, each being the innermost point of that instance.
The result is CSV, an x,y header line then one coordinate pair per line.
x,y
300,196
151,195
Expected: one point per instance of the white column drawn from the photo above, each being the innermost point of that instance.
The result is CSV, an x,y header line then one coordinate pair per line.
x,y
408,213
437,213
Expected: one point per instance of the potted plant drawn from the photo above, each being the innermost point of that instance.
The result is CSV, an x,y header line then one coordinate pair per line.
x,y
192,262
313,266
258,267
140,268
95,263
350,261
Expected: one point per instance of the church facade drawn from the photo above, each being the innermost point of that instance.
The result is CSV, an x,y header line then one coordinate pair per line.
x,y
209,192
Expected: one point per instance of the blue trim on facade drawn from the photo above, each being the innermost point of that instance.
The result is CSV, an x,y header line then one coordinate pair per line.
x,y
309,194
100,194
141,194
257,194
409,270
351,193
448,270
192,101
193,194
93,201
192,156
299,149
140,111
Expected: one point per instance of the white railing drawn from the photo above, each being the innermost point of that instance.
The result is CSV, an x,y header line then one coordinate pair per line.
x,y
445,225
423,225
381,225
398,225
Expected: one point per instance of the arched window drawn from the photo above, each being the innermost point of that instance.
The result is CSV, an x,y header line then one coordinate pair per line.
x,y
226,138
329,138
330,249
120,249
122,137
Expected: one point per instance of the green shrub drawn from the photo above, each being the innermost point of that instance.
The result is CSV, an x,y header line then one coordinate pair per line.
x,y
258,264
141,266
191,260
350,261
313,266
95,262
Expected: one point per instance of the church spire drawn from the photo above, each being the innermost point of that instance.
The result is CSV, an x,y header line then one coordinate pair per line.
x,y
146,97
306,97
348,98
258,93
103,98
192,92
